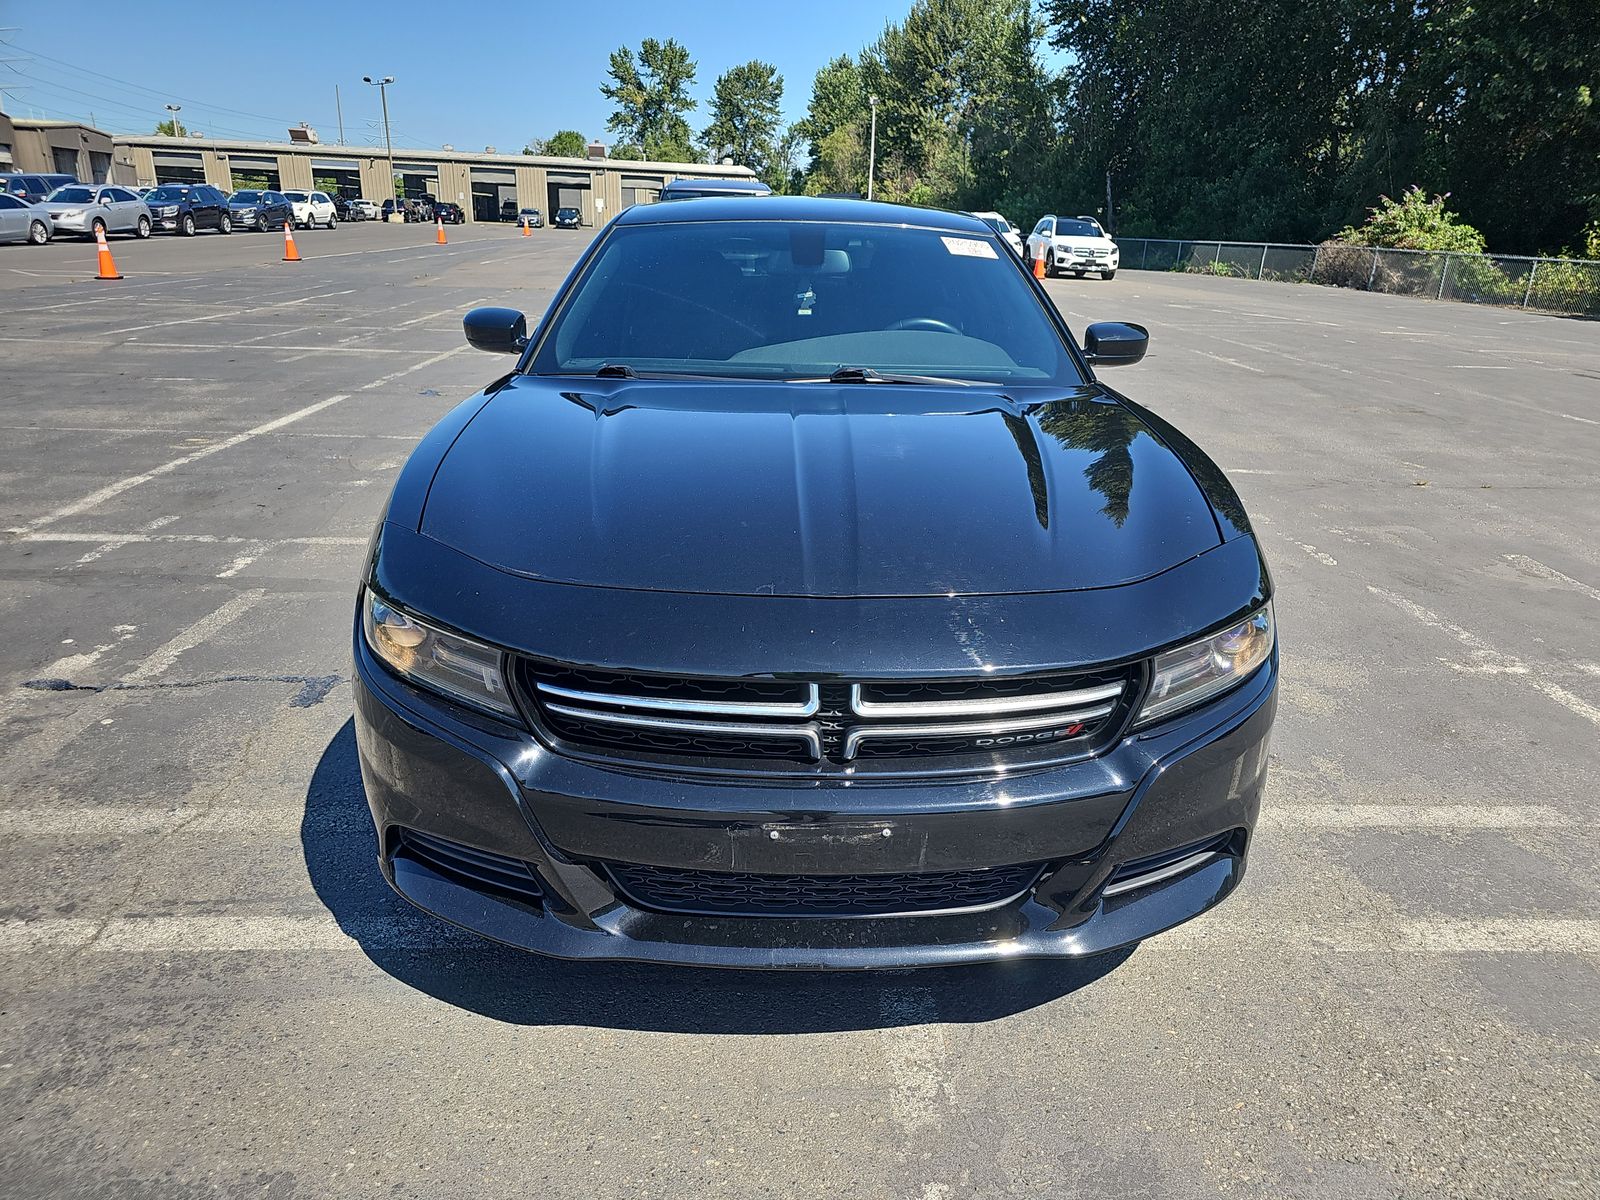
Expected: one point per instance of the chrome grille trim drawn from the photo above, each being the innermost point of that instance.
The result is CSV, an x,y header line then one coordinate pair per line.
x,y
804,733
853,740
993,706
736,708
1170,871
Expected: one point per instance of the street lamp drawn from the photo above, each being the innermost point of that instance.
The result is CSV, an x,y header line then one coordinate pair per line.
x,y
177,126
383,95
872,153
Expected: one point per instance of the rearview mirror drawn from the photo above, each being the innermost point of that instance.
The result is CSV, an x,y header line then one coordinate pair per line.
x,y
1115,343
498,330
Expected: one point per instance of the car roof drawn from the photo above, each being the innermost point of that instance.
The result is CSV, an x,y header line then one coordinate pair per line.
x,y
801,208
737,187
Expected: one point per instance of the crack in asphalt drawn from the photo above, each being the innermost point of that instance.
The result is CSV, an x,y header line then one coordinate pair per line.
x,y
313,690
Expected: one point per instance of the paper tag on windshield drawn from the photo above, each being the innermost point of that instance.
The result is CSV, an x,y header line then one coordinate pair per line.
x,y
969,247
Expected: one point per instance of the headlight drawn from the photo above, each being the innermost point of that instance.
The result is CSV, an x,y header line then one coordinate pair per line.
x,y
1195,673
459,667
69,212
170,210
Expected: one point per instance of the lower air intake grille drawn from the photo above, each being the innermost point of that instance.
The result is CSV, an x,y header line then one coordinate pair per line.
x,y
716,893
476,869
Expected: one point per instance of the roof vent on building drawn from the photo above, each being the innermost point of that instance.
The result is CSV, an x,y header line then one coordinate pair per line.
x,y
302,133
597,149
490,150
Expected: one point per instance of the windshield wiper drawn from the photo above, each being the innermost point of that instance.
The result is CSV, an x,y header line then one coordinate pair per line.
x,y
616,371
872,375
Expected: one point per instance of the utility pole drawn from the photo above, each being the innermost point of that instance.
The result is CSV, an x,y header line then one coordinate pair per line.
x,y
339,108
1111,217
872,152
383,95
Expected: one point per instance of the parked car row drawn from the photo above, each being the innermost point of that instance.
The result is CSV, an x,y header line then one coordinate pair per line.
x,y
34,208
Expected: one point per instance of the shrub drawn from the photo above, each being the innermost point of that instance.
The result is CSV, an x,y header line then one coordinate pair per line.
x,y
1481,281
1569,287
1342,265
1414,222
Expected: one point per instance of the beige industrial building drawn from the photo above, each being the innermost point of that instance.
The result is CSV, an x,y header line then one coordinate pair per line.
x,y
38,147
483,184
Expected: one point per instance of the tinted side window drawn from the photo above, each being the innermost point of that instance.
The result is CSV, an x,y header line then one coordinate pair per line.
x,y
11,202
121,194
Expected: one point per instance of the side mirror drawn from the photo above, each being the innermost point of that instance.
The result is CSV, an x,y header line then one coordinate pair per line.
x,y
498,330
1115,343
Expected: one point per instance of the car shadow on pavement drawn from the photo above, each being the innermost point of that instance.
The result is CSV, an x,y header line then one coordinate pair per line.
x,y
511,985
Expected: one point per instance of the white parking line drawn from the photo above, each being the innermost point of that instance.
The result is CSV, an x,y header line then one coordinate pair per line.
x,y
1232,362
1413,816
201,631
112,490
1488,660
1537,569
224,539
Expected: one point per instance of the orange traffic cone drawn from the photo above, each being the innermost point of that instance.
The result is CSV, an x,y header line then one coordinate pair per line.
x,y
1038,261
439,237
108,269
290,252
527,229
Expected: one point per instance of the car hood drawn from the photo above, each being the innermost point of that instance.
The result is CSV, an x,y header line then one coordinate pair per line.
x,y
816,490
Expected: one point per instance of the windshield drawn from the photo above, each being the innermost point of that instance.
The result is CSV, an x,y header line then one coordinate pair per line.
x,y
246,197
998,224
167,193
1076,229
297,196
800,300
72,195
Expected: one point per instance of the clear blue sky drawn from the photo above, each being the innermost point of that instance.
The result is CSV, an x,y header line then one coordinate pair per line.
x,y
471,74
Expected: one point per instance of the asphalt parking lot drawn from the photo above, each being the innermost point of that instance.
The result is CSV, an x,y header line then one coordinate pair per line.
x,y
206,988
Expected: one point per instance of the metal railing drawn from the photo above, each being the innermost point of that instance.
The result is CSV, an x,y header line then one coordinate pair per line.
x,y
1558,285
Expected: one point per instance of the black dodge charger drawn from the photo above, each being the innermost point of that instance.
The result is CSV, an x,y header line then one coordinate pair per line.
x,y
802,599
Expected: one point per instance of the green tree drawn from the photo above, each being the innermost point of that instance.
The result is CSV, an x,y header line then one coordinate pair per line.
x,y
745,116
651,94
834,130
963,107
169,128
564,143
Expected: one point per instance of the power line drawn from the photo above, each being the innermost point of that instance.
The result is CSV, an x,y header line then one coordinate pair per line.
x,y
158,93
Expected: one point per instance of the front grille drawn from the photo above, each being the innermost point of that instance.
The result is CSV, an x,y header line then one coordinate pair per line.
x,y
716,893
818,726
477,869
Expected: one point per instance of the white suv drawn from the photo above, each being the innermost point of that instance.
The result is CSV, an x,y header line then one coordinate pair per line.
x,y
312,208
1075,244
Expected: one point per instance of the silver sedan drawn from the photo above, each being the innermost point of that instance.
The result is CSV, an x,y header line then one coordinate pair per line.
x,y
83,208
24,222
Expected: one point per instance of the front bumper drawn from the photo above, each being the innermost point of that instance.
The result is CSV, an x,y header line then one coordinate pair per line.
x,y
434,768
1069,260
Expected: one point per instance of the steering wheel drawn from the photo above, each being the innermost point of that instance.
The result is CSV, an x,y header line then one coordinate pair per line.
x,y
928,324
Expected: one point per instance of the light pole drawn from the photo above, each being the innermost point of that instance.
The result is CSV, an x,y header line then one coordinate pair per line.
x,y
872,152
383,95
177,126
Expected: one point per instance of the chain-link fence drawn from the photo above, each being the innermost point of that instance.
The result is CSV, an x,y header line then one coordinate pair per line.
x,y
1558,285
